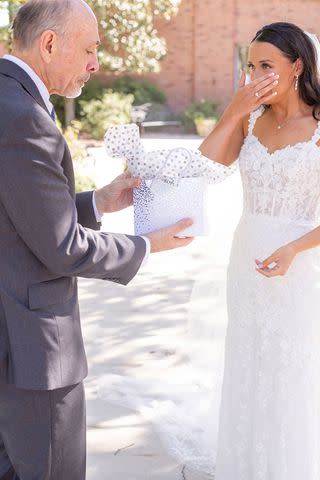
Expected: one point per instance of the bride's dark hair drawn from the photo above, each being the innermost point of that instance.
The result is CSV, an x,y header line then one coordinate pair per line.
x,y
294,44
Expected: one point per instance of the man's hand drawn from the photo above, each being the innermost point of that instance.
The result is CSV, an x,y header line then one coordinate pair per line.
x,y
166,238
117,195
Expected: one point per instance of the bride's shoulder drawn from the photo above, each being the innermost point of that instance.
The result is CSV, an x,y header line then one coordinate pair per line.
x,y
249,120
245,124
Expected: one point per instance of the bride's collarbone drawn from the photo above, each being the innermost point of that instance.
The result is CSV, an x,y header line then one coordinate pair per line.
x,y
301,130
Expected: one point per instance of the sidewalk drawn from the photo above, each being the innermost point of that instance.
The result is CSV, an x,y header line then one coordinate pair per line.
x,y
133,330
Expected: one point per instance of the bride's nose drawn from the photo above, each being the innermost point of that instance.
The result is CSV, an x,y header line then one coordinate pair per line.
x,y
257,74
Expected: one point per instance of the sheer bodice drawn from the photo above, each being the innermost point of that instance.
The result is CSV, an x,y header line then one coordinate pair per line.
x,y
284,183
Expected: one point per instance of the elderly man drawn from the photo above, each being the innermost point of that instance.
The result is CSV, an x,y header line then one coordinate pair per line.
x,y
48,237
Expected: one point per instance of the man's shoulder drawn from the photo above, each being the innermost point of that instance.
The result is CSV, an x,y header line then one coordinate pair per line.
x,y
13,95
17,105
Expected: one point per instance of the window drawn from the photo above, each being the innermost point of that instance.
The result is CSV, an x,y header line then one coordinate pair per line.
x,y
240,62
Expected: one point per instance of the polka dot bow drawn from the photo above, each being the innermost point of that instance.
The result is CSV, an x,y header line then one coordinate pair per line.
x,y
168,165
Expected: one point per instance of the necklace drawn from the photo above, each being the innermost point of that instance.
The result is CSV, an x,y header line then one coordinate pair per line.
x,y
280,125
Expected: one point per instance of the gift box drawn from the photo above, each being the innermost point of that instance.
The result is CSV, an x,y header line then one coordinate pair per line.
x,y
174,182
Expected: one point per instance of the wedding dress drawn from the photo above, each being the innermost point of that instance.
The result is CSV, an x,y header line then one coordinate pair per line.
x,y
270,406
262,421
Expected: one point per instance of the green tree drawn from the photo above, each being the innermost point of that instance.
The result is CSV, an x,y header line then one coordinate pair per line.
x,y
130,41
9,7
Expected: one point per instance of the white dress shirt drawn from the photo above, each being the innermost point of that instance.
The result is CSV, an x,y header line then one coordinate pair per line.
x,y
46,98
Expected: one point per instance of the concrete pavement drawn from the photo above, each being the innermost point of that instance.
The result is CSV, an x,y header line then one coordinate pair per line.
x,y
135,330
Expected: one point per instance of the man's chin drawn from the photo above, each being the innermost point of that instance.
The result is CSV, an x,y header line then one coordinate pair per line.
x,y
74,94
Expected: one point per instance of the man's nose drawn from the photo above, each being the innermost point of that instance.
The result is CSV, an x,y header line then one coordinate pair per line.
x,y
93,67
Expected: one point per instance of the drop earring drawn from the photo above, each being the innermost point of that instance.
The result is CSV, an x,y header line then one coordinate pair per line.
x,y
296,83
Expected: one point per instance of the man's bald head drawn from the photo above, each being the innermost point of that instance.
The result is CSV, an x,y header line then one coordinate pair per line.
x,y
85,5
37,16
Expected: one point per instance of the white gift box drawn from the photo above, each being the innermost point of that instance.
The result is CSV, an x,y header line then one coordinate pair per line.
x,y
158,204
174,182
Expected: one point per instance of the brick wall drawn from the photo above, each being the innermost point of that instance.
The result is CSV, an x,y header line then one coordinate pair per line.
x,y
177,70
202,43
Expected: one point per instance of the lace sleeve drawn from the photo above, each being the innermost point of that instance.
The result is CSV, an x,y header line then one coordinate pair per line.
x,y
167,165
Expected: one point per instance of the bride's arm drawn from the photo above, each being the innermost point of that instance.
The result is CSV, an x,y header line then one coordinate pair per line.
x,y
224,142
279,262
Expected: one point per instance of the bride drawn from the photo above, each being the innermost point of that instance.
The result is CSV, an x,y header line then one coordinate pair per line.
x,y
268,427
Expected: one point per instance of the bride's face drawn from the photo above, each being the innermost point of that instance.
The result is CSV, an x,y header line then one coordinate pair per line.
x,y
265,58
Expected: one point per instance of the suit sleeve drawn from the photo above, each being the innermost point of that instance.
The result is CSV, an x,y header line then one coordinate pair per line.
x,y
86,215
35,193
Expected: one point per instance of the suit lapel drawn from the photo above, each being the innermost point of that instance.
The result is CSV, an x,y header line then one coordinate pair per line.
x,y
11,69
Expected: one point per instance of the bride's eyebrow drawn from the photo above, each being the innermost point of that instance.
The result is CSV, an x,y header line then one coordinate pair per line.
x,y
261,61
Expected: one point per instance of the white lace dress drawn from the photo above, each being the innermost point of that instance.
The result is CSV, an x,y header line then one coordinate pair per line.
x,y
262,420
270,405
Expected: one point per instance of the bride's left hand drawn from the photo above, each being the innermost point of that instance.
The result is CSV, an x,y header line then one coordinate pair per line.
x,y
278,263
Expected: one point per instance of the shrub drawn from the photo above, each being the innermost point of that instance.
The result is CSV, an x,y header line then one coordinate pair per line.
x,y
92,90
58,103
142,90
98,115
71,135
79,155
84,183
203,109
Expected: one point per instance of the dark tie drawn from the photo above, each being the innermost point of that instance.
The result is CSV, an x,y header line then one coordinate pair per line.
x,y
53,115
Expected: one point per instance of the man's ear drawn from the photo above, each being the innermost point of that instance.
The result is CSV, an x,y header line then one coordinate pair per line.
x,y
47,45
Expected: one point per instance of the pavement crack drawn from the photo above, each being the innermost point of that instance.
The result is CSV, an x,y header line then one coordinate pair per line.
x,y
183,473
123,448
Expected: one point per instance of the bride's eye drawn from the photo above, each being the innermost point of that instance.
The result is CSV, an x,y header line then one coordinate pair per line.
x,y
250,66
265,66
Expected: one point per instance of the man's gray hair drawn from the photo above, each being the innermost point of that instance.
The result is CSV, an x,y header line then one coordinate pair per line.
x,y
37,16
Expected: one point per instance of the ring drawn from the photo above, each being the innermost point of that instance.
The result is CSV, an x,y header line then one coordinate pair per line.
x,y
257,94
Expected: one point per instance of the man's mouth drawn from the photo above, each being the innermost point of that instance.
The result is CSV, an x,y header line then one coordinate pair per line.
x,y
84,80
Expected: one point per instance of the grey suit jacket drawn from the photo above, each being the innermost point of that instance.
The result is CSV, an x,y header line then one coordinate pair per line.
x,y
47,239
